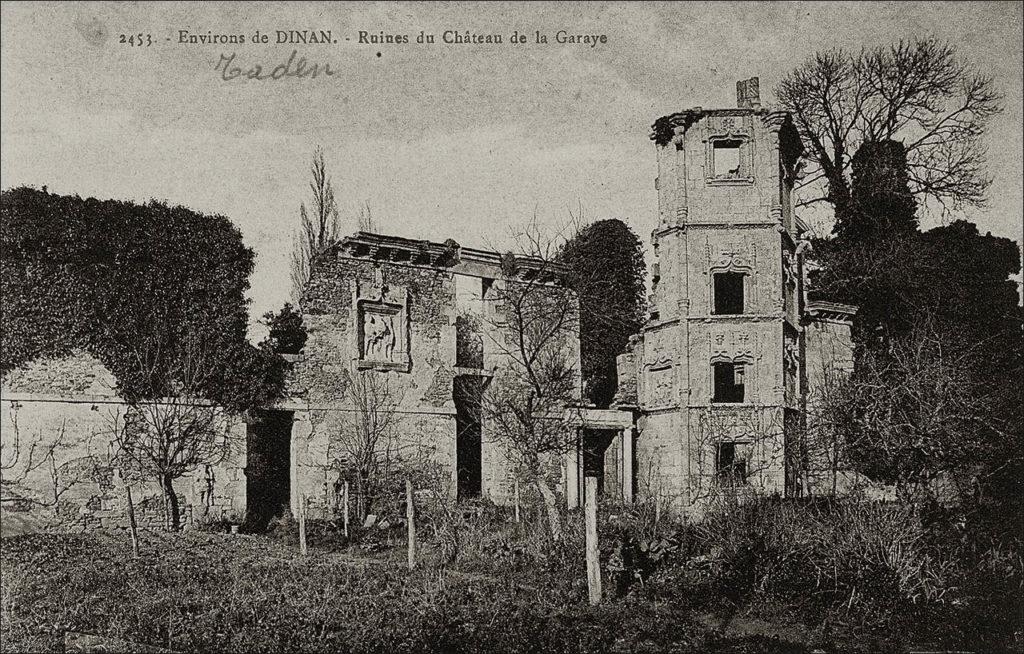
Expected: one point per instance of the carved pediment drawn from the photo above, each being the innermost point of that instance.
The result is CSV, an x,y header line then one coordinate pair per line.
x,y
729,346
733,255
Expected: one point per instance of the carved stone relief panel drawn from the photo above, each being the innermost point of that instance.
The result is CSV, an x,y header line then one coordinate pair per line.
x,y
791,352
731,252
732,345
658,371
661,387
789,269
382,327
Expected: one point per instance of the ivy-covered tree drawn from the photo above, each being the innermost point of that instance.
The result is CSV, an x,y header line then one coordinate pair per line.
x,y
287,334
939,337
608,272
952,276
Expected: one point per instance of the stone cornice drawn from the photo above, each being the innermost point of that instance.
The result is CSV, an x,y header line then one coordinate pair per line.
x,y
665,128
820,310
448,255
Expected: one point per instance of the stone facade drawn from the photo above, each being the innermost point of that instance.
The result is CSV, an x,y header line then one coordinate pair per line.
x,y
57,416
718,376
420,316
828,358
718,393
416,316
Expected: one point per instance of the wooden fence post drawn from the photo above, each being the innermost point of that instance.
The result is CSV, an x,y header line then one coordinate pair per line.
x,y
410,515
517,499
593,554
302,525
345,502
131,524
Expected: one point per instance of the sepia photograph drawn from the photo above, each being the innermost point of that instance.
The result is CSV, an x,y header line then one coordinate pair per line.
x,y
512,327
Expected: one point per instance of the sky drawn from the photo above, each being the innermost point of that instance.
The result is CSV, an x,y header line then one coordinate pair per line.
x,y
463,141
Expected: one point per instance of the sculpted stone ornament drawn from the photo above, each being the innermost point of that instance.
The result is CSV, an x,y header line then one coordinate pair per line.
x,y
378,336
381,326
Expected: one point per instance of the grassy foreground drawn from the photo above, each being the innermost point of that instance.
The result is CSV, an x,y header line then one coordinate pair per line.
x,y
764,576
218,592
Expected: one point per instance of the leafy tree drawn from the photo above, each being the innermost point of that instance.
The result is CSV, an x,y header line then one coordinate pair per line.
x,y
919,92
950,276
132,284
44,240
607,271
287,333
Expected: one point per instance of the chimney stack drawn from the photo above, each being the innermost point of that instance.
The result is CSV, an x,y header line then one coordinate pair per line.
x,y
748,94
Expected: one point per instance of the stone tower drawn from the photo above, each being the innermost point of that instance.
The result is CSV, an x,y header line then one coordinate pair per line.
x,y
717,367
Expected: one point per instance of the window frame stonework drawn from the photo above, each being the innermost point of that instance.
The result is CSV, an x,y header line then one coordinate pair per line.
x,y
727,129
725,476
744,281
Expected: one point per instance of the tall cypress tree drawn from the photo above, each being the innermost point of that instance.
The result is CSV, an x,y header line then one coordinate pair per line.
x,y
882,205
609,274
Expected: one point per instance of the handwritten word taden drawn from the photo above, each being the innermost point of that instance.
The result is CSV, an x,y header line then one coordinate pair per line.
x,y
290,68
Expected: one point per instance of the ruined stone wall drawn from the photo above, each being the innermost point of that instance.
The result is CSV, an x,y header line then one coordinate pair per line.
x,y
421,391
829,360
419,372
57,416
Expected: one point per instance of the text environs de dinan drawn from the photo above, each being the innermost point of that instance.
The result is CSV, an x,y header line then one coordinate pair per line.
x,y
290,37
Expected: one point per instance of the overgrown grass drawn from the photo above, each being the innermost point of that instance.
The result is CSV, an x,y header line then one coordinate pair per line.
x,y
223,593
857,575
757,577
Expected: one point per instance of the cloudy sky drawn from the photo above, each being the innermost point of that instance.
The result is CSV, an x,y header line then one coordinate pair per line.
x,y
462,141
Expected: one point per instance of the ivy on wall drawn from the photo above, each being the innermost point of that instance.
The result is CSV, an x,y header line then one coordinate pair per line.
x,y
138,286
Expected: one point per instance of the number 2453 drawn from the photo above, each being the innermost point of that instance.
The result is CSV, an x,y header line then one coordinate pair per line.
x,y
138,40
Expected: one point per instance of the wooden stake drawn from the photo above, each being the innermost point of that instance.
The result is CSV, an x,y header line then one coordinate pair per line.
x,y
517,499
410,515
345,502
593,556
302,525
131,524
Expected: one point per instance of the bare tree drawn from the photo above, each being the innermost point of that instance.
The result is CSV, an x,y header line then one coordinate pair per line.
x,y
23,457
364,218
915,412
535,321
319,226
920,93
365,448
168,437
733,449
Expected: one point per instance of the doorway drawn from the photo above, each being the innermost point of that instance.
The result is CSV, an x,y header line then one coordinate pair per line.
x,y
468,438
601,459
268,468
